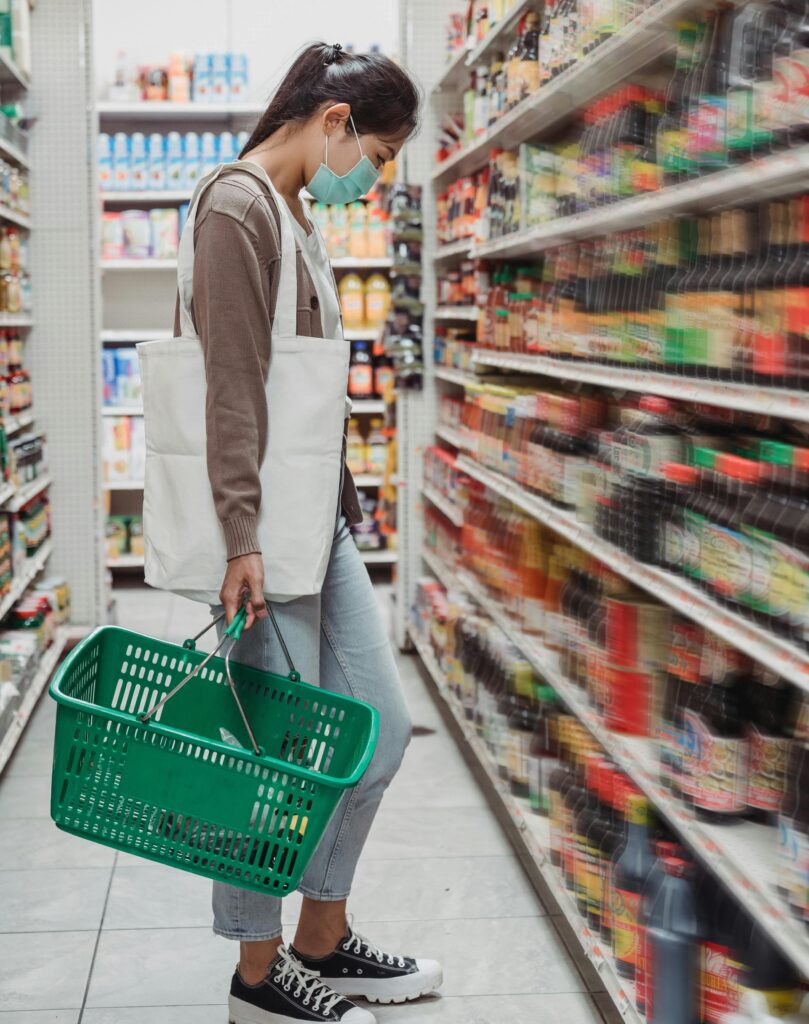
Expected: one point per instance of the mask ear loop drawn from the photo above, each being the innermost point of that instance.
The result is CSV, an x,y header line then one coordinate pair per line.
x,y
356,136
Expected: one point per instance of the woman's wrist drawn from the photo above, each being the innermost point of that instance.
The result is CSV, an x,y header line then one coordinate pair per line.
x,y
241,536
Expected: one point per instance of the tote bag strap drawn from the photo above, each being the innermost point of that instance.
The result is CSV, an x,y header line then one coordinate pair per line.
x,y
287,302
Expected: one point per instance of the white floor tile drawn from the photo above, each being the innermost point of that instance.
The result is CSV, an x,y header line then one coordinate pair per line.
x,y
37,843
44,971
67,899
159,1015
572,1008
39,1016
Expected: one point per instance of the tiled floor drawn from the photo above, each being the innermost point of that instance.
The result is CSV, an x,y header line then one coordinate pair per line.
x,y
90,936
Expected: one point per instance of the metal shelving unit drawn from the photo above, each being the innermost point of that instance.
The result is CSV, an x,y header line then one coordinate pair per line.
x,y
161,110
453,376
139,265
534,843
443,504
457,313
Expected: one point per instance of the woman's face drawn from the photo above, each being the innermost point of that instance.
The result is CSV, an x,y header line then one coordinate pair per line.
x,y
343,151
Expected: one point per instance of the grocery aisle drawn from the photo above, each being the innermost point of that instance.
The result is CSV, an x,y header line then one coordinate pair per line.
x,y
91,936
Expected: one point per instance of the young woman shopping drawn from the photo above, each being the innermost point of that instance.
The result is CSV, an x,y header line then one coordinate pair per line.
x,y
259,294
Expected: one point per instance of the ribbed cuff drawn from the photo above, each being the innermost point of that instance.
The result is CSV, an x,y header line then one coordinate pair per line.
x,y
241,537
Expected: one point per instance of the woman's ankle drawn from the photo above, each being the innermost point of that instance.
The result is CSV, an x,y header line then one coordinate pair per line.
x,y
255,959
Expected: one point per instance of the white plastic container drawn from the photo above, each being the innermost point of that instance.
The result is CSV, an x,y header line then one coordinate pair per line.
x,y
157,162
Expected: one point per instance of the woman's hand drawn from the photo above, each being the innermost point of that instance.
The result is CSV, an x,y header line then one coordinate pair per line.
x,y
245,573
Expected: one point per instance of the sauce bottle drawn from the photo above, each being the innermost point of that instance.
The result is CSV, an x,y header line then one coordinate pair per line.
x,y
662,848
673,943
630,873
768,713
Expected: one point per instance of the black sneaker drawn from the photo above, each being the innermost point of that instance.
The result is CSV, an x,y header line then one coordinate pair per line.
x,y
358,968
290,993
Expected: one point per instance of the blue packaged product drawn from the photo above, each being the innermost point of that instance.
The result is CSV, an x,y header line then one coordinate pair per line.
x,y
157,162
120,163
183,216
104,156
175,161
210,153
108,376
192,159
201,84
127,374
220,78
238,77
227,148
138,162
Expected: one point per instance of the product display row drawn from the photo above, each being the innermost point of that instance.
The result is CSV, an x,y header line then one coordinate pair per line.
x,y
208,78
123,449
142,234
157,162
359,230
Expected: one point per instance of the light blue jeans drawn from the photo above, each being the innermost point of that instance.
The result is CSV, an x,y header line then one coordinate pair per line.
x,y
336,639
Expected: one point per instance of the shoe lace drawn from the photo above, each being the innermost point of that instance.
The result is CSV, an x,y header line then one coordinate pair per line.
x,y
355,943
288,970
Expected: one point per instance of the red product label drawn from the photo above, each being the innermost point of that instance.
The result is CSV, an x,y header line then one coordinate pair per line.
x,y
361,380
768,758
626,930
720,983
627,701
717,767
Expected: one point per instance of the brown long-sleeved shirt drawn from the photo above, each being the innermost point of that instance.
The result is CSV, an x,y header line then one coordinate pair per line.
x,y
237,253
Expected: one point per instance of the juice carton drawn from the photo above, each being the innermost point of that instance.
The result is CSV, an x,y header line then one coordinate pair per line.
x,y
165,233
210,153
192,159
138,162
104,158
112,236
127,386
120,163
137,234
157,162
201,85
220,85
238,77
175,161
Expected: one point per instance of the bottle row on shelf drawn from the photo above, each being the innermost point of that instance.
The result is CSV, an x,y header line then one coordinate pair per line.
x,y
722,296
358,230
22,534
120,377
124,537
208,78
176,161
716,497
689,951
123,449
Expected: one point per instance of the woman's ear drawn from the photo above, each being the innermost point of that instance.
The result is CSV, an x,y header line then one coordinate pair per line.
x,y
335,116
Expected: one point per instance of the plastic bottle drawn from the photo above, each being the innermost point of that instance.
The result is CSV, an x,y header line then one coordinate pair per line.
x,y
238,77
357,230
220,78
209,153
377,446
227,147
630,874
356,449
139,162
360,372
157,176
193,165
104,158
673,944
352,301
201,84
179,83
377,300
175,161
121,171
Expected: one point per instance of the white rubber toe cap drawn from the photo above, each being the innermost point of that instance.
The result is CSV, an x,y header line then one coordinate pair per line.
x,y
432,973
358,1015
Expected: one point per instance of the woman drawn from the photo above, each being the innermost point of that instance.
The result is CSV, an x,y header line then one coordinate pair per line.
x,y
334,122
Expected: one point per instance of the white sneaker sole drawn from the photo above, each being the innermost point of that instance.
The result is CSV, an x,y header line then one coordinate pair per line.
x,y
392,990
240,1012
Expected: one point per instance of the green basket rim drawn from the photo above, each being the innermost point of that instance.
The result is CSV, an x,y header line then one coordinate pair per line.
x,y
228,749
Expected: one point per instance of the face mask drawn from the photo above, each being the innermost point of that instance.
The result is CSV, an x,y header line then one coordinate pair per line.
x,y
328,187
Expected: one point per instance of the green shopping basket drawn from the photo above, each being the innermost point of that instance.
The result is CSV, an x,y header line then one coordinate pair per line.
x,y
153,776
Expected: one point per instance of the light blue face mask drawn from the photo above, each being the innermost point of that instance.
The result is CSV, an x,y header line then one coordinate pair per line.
x,y
328,187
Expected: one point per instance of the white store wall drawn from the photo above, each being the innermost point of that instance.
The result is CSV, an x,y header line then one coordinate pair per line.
x,y
268,31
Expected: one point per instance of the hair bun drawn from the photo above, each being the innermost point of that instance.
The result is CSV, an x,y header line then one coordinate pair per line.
x,y
334,52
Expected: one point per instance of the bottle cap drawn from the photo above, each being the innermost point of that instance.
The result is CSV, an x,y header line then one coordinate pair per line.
x,y
705,458
737,468
675,866
800,458
656,404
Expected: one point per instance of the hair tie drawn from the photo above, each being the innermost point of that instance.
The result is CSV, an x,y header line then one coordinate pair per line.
x,y
334,53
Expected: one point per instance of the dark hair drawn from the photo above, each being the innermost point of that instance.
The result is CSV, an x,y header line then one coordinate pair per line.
x,y
384,98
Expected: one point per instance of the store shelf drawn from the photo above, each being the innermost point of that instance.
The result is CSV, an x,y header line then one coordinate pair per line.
x,y
369,480
449,435
455,73
11,74
749,397
125,562
379,557
495,38
153,110
453,376
642,41
534,837
362,263
367,406
16,320
146,196
743,855
19,584
22,495
144,264
361,333
123,485
457,313
134,336
122,410
774,175
42,675
8,151
452,250
14,217
443,504
773,651
13,424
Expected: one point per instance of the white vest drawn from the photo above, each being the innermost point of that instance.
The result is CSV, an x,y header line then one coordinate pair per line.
x,y
302,468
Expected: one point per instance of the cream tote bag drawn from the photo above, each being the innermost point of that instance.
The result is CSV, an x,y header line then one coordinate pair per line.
x,y
302,468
